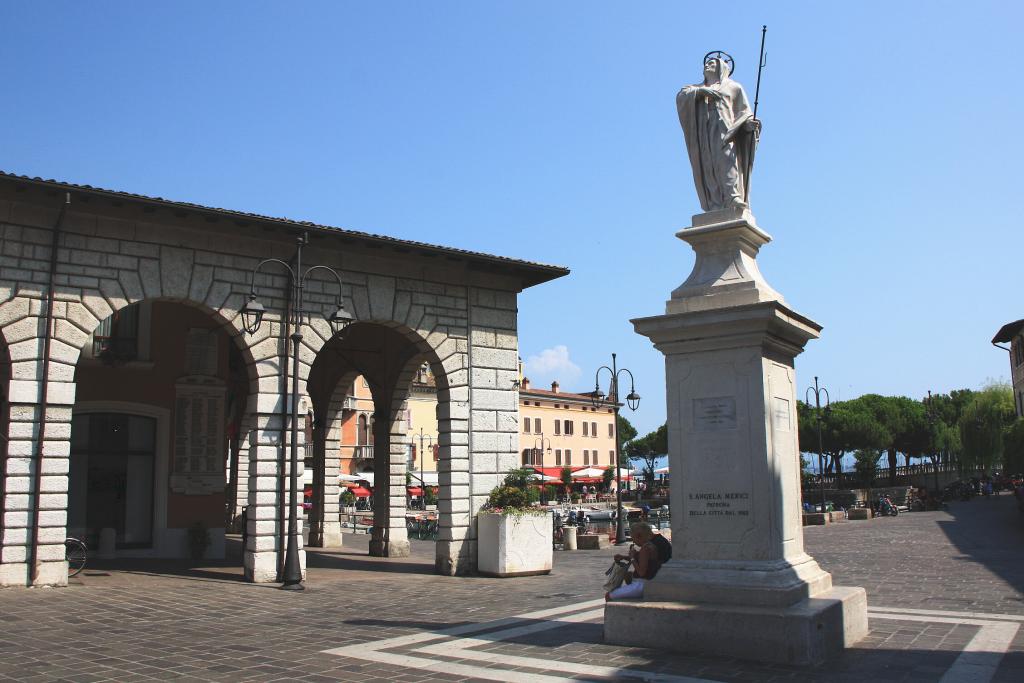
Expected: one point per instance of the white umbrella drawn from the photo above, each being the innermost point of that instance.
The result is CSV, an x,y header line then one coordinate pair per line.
x,y
661,470
545,477
588,472
347,477
364,476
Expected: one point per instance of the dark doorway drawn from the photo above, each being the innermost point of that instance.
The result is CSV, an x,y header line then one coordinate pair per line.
x,y
111,477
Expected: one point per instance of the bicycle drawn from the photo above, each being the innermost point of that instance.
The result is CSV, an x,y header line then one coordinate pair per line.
x,y
75,552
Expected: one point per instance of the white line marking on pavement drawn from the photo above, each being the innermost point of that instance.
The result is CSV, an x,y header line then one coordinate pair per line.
x,y
459,647
977,663
403,641
979,660
942,613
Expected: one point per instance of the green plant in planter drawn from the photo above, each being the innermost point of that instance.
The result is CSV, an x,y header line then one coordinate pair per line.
x,y
513,496
198,540
348,498
430,496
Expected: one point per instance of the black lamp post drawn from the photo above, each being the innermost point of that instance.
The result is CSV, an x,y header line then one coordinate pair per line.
x,y
818,391
536,450
423,484
252,317
600,399
932,415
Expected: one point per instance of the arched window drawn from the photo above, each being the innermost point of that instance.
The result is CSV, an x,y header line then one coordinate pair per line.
x,y
363,431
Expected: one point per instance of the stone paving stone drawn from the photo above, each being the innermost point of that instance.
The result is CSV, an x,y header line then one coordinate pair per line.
x,y
153,622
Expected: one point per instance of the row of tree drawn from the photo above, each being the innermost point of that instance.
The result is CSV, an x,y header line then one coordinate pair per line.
x,y
974,429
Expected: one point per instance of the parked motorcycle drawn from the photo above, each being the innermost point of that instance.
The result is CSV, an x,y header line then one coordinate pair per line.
x,y
885,507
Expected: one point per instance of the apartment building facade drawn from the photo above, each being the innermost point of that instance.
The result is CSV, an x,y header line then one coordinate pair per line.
x,y
564,429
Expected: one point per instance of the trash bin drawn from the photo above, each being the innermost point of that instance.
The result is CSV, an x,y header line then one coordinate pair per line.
x,y
569,537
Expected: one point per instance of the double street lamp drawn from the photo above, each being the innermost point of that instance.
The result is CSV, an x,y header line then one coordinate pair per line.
x,y
540,450
819,415
600,399
252,317
933,417
423,455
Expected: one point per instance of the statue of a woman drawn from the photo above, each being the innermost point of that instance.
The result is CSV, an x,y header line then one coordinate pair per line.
x,y
720,130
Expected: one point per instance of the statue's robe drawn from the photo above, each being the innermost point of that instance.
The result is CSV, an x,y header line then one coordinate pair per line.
x,y
720,168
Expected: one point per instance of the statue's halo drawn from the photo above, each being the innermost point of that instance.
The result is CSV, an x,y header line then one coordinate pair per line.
x,y
724,56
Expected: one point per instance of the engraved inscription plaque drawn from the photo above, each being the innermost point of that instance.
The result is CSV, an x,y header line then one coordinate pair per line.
x,y
714,414
780,414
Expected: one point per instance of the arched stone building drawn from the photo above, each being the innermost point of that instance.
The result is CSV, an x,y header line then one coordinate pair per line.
x,y
126,399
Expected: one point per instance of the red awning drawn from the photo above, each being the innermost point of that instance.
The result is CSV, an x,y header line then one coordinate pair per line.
x,y
414,490
557,472
360,492
587,480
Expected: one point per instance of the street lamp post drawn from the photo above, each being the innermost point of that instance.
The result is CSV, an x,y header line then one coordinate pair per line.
x,y
423,484
932,416
599,399
543,486
818,391
252,316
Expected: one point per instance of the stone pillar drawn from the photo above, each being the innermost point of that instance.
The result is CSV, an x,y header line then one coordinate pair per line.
x,y
390,536
262,550
741,583
455,551
266,468
330,516
494,401
24,327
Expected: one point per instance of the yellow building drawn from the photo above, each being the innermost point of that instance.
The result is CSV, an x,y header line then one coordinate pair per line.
x,y
562,429
422,423
355,437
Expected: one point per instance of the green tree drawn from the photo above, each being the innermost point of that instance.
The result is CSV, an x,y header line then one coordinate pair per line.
x,y
903,421
647,449
846,427
607,477
866,462
566,477
1013,447
626,432
982,425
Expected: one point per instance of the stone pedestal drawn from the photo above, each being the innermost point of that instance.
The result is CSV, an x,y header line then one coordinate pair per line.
x,y
593,542
739,583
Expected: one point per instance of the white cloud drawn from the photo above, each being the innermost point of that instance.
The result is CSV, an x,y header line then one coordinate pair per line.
x,y
552,364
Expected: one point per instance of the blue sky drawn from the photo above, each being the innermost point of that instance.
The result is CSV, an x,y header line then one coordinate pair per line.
x,y
888,172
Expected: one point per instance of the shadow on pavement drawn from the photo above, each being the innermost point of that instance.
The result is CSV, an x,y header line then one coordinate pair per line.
x,y
990,532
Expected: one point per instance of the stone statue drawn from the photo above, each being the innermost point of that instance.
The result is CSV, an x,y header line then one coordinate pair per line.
x,y
721,134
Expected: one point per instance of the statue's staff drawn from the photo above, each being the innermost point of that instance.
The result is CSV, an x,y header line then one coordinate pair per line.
x,y
755,138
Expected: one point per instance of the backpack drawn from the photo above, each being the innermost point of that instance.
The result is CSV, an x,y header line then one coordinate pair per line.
x,y
663,547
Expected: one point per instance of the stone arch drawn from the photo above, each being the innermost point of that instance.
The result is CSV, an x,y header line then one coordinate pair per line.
x,y
77,315
389,354
221,385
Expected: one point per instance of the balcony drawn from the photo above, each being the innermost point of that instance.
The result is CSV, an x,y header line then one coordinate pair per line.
x,y
349,403
362,452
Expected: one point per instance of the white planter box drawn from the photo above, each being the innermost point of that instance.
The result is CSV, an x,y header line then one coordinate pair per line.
x,y
509,545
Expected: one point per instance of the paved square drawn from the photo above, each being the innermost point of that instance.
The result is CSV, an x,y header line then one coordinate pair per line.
x,y
944,591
